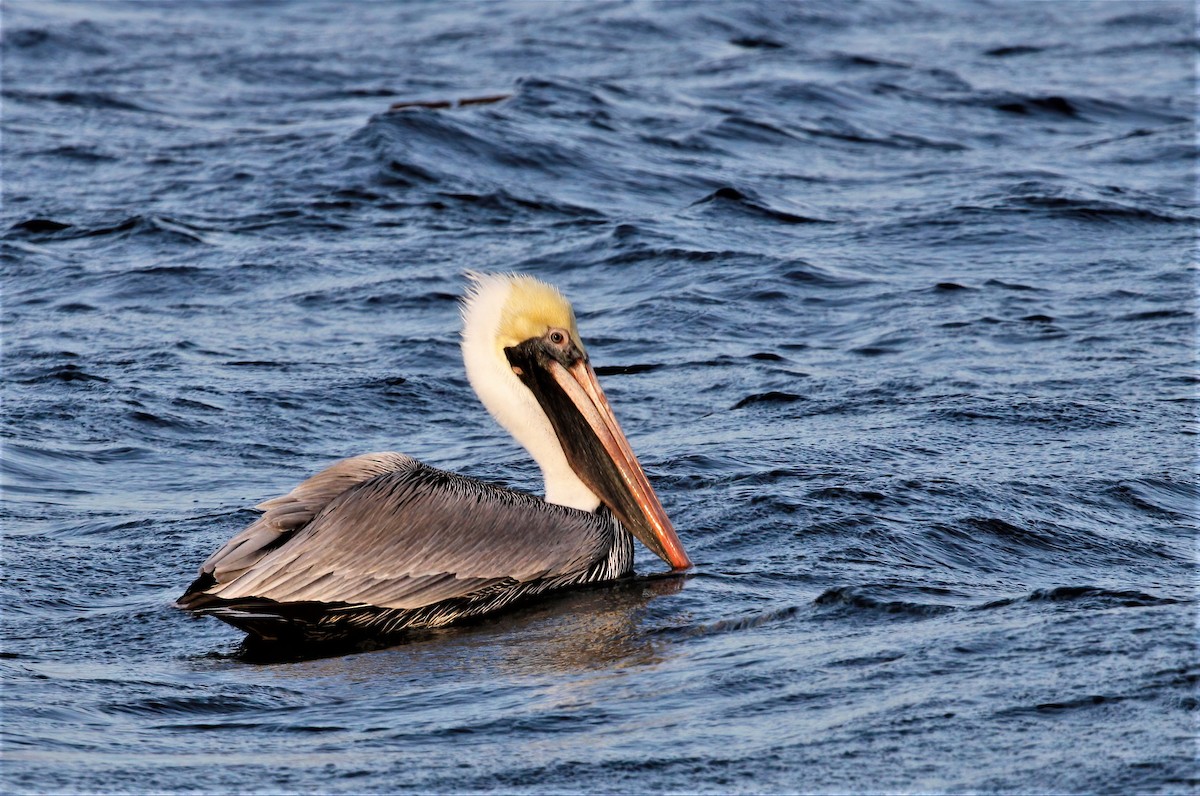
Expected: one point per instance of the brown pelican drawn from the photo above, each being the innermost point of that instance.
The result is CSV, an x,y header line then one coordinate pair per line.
x,y
380,543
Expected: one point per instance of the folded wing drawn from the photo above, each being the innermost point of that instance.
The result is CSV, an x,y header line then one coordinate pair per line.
x,y
385,531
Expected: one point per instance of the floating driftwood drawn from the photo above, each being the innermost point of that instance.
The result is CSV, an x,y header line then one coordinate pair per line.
x,y
458,103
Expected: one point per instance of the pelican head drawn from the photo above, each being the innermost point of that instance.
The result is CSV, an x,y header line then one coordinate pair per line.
x,y
525,360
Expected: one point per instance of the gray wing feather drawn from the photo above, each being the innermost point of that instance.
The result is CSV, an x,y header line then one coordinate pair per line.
x,y
284,515
414,536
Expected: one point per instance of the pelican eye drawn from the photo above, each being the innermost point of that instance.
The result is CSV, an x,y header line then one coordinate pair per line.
x,y
557,337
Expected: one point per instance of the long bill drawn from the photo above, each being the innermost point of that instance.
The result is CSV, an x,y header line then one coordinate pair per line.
x,y
595,446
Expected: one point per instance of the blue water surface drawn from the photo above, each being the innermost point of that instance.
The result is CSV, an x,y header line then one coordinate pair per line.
x,y
895,300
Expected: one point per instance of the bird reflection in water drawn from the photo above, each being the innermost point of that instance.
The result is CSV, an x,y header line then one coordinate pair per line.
x,y
579,630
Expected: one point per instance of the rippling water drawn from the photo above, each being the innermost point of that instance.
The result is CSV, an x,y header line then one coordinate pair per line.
x,y
894,299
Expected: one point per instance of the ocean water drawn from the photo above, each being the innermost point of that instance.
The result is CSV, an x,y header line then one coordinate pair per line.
x,y
895,300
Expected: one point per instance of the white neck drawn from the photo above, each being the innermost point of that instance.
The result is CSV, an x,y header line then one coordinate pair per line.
x,y
510,401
